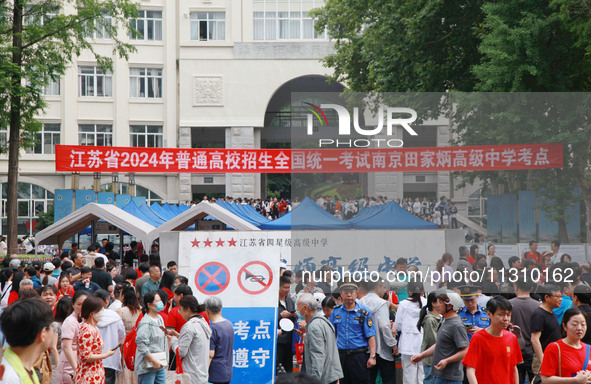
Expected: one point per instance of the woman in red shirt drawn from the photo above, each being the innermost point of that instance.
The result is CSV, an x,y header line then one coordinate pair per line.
x,y
64,288
166,284
572,352
16,282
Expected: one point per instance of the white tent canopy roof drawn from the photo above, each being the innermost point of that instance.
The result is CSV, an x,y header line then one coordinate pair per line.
x,y
59,232
198,212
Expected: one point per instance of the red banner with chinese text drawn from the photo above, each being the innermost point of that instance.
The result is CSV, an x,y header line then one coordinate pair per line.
x,y
78,158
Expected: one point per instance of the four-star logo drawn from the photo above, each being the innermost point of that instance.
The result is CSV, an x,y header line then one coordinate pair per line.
x,y
208,243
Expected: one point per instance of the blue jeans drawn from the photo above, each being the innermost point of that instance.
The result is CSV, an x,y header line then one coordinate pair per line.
x,y
154,377
445,381
429,378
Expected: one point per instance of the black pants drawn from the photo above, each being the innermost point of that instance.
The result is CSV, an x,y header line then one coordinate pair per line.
x,y
110,376
525,369
285,357
386,368
354,368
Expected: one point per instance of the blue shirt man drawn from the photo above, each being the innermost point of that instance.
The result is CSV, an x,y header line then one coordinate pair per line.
x,y
472,315
355,333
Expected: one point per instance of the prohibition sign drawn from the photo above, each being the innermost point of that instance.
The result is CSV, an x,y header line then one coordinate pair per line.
x,y
212,278
255,272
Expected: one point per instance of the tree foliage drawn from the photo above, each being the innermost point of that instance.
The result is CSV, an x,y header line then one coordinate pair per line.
x,y
403,45
478,46
40,39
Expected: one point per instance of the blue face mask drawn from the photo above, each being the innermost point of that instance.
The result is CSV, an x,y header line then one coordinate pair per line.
x,y
160,306
300,316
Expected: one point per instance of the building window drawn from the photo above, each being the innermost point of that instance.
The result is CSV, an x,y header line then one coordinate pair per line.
x,y
145,83
148,26
40,14
46,140
99,30
32,199
95,134
151,197
3,140
285,20
146,136
206,26
92,82
52,88
477,208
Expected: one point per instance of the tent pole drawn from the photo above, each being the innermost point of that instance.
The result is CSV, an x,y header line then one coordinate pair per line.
x,y
121,242
92,232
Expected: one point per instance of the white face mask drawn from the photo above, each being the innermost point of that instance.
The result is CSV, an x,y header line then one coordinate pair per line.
x,y
99,316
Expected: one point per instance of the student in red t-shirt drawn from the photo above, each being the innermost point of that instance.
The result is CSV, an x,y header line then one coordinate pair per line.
x,y
533,253
572,351
175,320
494,349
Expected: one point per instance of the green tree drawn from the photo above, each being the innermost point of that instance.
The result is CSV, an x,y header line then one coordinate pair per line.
x,y
402,45
45,218
40,38
533,47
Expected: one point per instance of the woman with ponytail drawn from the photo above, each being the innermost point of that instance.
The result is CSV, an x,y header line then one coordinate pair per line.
x,y
429,324
5,286
68,361
409,343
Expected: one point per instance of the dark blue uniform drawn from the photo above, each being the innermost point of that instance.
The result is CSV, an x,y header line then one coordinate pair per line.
x,y
477,319
353,328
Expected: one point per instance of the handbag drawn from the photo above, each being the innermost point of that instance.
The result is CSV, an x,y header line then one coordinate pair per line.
x,y
160,356
178,377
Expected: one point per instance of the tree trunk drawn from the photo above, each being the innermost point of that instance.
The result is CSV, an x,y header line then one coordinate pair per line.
x,y
15,126
562,232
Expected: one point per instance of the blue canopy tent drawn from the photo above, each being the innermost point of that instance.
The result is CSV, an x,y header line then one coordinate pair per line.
x,y
146,210
307,215
167,207
367,212
247,212
134,210
234,208
393,216
161,211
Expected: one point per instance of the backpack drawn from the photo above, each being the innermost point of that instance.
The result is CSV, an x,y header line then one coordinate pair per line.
x,y
129,348
129,345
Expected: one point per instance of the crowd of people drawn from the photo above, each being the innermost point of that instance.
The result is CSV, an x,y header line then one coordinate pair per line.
x,y
65,322
489,331
442,212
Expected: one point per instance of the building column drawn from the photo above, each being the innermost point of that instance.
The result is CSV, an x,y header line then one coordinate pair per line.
x,y
387,184
184,179
245,185
443,178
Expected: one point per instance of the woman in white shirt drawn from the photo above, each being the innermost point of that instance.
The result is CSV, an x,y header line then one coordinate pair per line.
x,y
5,287
411,338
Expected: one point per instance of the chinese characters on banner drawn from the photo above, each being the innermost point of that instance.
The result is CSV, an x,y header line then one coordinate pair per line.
x,y
174,160
242,269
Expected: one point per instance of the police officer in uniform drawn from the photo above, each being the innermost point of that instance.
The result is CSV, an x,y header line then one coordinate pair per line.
x,y
355,332
472,315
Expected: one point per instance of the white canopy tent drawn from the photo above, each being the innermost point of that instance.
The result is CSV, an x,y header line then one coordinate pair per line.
x,y
59,232
198,212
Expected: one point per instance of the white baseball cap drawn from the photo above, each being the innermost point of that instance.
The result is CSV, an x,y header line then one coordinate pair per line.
x,y
48,267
